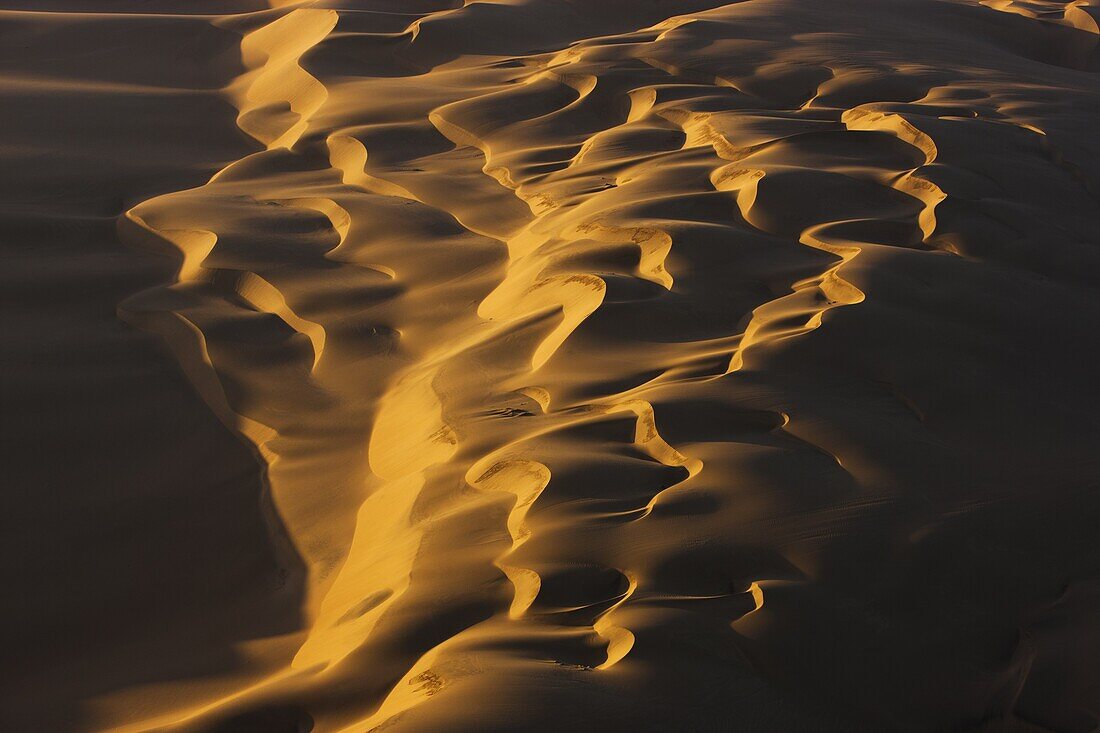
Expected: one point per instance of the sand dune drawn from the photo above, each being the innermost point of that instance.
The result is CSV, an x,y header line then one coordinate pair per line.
x,y
441,365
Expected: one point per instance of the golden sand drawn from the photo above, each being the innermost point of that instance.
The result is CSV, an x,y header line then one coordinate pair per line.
x,y
429,365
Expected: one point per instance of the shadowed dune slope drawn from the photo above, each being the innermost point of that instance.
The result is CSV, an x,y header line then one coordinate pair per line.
x,y
429,365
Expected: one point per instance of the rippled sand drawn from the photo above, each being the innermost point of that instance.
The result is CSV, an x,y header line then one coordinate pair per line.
x,y
550,365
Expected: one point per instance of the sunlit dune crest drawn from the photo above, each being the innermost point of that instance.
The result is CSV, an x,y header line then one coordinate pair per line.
x,y
541,365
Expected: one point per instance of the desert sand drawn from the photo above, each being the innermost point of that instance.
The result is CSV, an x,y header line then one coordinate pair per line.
x,y
550,365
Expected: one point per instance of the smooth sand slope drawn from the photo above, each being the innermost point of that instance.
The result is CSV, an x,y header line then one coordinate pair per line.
x,y
542,365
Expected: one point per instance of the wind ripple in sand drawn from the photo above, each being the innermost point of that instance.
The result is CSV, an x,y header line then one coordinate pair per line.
x,y
629,363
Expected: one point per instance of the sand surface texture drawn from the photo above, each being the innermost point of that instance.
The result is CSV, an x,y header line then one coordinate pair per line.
x,y
550,365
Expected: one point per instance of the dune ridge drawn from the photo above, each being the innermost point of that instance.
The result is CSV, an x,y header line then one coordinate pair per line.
x,y
640,365
407,442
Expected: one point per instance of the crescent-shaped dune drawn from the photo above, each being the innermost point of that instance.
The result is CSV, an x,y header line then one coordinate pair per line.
x,y
543,365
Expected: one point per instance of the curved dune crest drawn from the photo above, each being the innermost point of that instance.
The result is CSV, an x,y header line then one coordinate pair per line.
x,y
277,97
264,296
526,479
665,365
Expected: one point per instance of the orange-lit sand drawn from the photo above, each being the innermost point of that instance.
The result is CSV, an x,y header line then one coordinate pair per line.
x,y
551,365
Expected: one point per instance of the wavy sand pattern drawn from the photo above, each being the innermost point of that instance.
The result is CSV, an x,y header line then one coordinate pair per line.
x,y
547,365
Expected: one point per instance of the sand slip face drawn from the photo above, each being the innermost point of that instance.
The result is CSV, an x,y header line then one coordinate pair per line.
x,y
537,365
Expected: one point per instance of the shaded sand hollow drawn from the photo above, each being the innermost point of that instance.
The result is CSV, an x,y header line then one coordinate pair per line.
x,y
550,365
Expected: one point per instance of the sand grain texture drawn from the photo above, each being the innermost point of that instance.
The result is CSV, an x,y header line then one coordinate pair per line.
x,y
428,365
